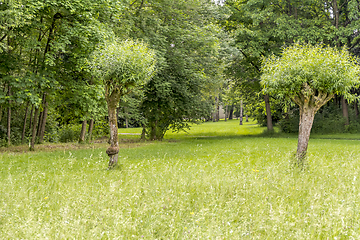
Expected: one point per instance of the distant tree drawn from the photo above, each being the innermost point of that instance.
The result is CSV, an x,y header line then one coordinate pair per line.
x,y
122,66
309,76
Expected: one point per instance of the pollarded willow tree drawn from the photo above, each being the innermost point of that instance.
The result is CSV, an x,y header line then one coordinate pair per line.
x,y
310,76
122,66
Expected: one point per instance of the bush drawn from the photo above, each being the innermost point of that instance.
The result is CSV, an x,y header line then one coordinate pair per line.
x,y
69,133
328,119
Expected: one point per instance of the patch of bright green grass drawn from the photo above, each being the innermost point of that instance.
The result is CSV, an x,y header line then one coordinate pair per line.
x,y
219,187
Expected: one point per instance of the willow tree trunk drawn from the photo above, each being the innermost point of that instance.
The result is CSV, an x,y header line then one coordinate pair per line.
x,y
113,100
305,124
268,113
83,132
33,137
113,150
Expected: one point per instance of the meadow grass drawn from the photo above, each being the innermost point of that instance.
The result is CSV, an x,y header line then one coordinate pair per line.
x,y
219,181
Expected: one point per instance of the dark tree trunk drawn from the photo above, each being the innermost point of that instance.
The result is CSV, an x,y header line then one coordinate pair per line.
x,y
25,119
83,132
247,118
356,109
40,121
91,126
31,117
214,114
217,109
241,112
43,122
9,119
33,136
226,112
126,118
143,133
231,112
345,110
268,113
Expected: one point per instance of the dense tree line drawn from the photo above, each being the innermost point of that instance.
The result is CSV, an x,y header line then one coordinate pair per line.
x,y
208,53
46,81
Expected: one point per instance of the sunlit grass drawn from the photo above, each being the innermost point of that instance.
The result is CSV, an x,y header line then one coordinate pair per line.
x,y
226,186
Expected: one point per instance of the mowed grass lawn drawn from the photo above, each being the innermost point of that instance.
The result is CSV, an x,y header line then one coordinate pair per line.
x,y
219,181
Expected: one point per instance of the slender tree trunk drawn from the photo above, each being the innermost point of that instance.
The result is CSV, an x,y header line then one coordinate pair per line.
x,y
83,132
247,118
241,112
43,122
217,109
214,115
356,109
31,117
33,137
41,116
143,133
126,118
24,126
306,121
226,112
345,110
9,119
231,112
268,113
91,126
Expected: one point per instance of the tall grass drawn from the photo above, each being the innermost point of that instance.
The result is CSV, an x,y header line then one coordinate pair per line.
x,y
204,185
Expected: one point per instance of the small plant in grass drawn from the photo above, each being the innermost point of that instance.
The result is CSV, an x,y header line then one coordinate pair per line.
x,y
309,76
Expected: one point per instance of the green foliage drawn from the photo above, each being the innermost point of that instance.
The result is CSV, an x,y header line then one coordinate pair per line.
x,y
324,69
123,65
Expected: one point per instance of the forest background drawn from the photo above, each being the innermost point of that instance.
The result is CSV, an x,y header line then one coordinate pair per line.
x,y
208,54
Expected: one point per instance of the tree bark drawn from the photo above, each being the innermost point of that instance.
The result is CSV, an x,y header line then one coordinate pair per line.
x,y
43,122
40,121
113,150
31,117
126,118
112,103
25,119
226,112
83,132
231,112
241,112
214,115
33,137
345,110
306,121
9,119
217,109
268,113
91,126
356,109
